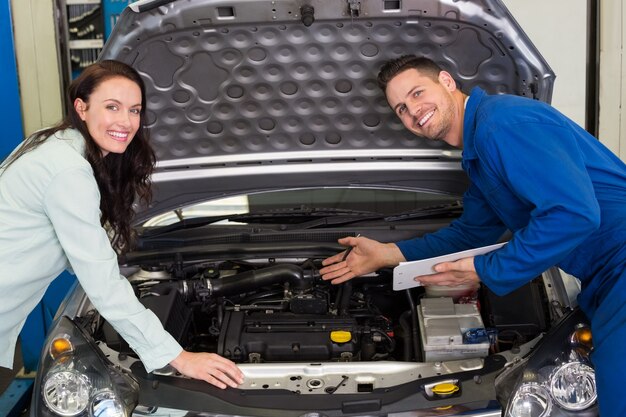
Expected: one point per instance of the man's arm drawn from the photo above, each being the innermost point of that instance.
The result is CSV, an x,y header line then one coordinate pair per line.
x,y
478,226
564,212
363,256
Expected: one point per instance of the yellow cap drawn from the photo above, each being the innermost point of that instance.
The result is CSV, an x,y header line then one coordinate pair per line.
x,y
445,388
340,336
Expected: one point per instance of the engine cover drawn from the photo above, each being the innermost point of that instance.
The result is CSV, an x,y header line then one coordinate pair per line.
x,y
279,337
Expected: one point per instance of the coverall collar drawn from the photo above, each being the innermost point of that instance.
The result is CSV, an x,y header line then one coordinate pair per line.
x,y
469,123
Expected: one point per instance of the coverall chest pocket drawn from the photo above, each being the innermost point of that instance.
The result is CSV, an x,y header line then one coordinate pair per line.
x,y
513,212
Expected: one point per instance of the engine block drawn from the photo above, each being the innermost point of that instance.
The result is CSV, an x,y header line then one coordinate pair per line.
x,y
279,337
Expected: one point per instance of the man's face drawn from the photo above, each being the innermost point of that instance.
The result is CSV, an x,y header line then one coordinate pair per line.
x,y
425,106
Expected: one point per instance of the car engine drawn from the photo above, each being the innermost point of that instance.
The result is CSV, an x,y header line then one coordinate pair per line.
x,y
271,312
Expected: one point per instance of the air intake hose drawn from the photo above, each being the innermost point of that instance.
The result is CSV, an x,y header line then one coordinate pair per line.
x,y
251,280
201,289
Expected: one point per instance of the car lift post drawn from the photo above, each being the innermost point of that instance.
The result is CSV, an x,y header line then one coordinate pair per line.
x,y
16,398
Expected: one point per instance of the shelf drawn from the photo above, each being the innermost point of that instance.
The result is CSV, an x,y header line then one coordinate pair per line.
x,y
86,44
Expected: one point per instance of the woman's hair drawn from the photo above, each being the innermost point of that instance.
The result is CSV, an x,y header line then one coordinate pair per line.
x,y
120,177
394,67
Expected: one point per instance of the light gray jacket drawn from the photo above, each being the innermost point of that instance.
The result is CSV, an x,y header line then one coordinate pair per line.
x,y
50,221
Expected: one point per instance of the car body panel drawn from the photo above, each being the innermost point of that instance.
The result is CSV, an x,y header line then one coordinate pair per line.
x,y
245,89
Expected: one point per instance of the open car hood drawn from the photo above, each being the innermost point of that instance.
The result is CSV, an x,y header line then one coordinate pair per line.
x,y
255,95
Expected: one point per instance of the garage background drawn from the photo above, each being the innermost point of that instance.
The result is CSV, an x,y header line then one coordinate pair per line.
x,y
558,28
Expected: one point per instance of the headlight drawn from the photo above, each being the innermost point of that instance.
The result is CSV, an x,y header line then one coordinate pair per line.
x,y
530,400
573,386
66,393
555,379
105,404
75,380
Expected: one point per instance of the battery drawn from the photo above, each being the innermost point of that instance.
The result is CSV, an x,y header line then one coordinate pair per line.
x,y
443,325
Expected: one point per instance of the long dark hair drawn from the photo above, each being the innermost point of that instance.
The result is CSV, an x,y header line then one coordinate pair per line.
x,y
120,177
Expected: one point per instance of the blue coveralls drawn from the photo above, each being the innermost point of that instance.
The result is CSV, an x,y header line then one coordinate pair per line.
x,y
563,195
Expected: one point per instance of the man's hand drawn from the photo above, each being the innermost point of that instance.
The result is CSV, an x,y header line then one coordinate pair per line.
x,y
452,273
366,256
208,367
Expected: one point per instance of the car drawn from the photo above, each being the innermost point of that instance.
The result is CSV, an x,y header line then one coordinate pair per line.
x,y
273,141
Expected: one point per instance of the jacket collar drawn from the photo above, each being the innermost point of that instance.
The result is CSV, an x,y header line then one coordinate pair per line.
x,y
469,122
74,138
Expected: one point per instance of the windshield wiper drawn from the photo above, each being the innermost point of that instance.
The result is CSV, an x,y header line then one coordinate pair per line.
x,y
181,225
455,208
291,218
303,211
452,209
286,215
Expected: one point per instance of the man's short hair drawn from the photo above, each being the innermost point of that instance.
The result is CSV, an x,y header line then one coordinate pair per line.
x,y
395,66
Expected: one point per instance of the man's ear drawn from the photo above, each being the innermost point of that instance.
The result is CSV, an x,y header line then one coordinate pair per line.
x,y
80,106
447,80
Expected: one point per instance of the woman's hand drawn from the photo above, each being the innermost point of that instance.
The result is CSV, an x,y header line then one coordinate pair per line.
x,y
452,273
365,256
208,367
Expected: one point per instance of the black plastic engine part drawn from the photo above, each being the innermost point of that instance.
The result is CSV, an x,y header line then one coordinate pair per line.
x,y
522,311
308,304
283,337
171,310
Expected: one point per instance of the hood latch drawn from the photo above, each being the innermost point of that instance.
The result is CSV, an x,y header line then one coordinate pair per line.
x,y
354,8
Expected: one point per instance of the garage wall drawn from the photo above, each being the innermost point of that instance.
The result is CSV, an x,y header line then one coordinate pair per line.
x,y
37,63
613,76
556,31
562,43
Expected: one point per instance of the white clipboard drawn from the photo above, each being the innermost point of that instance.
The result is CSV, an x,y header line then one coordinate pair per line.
x,y
404,273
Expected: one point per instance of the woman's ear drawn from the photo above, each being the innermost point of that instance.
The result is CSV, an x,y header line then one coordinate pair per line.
x,y
80,106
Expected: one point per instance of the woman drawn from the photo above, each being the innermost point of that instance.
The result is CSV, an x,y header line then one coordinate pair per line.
x,y
57,191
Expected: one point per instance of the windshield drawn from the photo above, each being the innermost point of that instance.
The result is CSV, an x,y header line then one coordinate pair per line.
x,y
381,201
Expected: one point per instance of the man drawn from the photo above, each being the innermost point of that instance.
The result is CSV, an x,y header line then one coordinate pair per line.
x,y
533,171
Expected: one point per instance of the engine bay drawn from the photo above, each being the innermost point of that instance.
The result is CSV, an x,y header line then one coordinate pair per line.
x,y
270,311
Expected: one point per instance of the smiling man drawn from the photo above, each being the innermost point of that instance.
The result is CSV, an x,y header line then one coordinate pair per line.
x,y
427,101
534,172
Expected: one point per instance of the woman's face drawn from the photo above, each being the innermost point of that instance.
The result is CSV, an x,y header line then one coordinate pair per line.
x,y
112,114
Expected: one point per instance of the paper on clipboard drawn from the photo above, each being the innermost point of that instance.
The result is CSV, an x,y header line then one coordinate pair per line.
x,y
404,273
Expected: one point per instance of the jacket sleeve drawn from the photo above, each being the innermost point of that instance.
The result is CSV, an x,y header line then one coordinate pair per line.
x,y
543,167
72,205
477,226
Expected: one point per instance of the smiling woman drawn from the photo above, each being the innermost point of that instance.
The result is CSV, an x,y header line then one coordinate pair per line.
x,y
63,193
113,114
